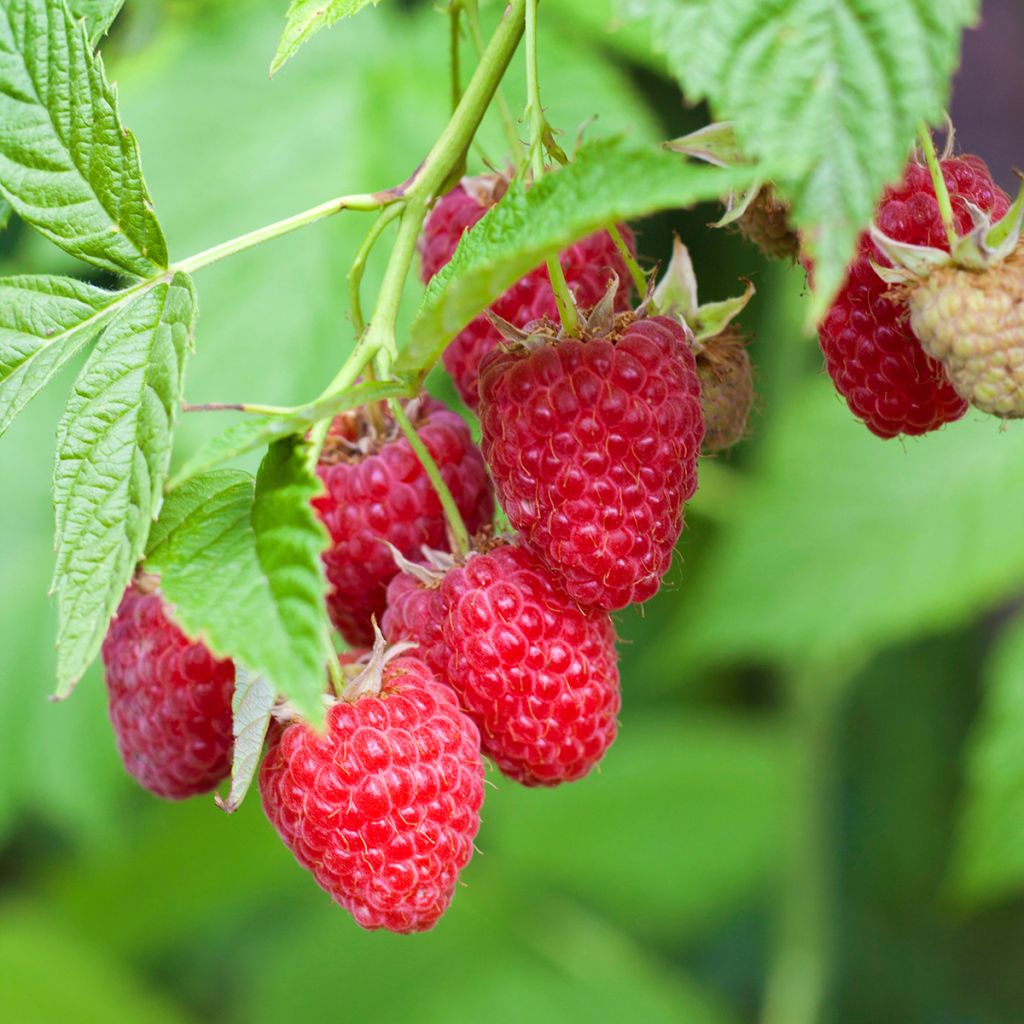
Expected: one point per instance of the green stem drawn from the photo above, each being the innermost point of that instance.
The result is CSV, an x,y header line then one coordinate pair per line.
x,y
378,342
456,526
635,270
538,129
939,182
355,274
360,201
472,9
800,977
454,12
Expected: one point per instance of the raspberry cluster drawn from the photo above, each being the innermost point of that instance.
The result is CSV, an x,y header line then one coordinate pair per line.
x,y
506,650
872,353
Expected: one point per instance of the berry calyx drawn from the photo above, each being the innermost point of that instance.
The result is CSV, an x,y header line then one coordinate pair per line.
x,y
589,265
535,672
384,806
593,446
378,493
170,698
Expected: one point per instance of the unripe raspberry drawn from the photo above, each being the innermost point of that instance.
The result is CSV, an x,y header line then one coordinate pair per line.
x,y
589,265
383,807
535,672
593,446
377,493
726,390
170,699
765,222
972,321
871,351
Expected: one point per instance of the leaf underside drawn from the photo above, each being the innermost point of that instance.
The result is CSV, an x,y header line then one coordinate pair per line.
x,y
306,18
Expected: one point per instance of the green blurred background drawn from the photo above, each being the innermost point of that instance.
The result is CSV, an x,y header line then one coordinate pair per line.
x,y
815,809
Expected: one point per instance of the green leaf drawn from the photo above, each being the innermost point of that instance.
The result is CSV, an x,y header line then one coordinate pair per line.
x,y
610,180
306,18
877,542
113,448
251,705
990,857
5,213
825,93
98,14
67,165
44,321
241,567
259,431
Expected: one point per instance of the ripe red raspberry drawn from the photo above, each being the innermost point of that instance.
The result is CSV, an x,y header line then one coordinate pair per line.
x,y
383,808
593,447
170,699
378,493
872,354
538,674
588,266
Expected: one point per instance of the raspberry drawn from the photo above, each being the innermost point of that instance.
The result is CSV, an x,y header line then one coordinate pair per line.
x,y
378,493
972,321
535,672
871,351
765,222
383,807
593,447
726,390
170,699
589,266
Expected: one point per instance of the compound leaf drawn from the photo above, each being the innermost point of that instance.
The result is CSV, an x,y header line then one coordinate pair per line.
x,y
67,165
240,563
113,448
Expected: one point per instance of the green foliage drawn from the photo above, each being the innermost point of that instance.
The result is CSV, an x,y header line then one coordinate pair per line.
x,y
94,988
98,14
239,561
608,181
825,95
67,165
44,321
990,860
306,18
251,705
873,532
113,450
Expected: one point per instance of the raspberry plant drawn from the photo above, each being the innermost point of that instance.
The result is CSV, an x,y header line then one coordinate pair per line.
x,y
820,107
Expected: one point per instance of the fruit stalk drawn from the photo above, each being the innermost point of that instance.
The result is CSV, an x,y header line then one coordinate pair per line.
x,y
456,526
941,192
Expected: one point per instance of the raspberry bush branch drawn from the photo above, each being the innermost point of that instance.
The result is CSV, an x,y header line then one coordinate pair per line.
x,y
927,143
